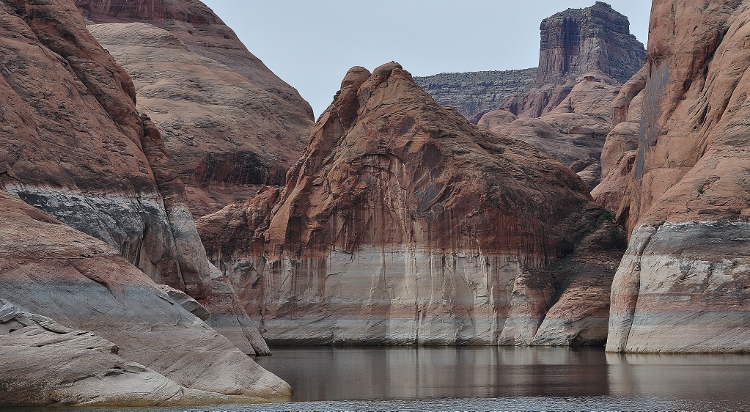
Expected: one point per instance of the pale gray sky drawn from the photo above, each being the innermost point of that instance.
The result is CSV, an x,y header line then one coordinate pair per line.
x,y
311,44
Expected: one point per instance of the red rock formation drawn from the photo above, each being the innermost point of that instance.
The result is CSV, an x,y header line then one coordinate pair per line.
x,y
402,223
80,325
572,42
571,126
202,279
682,285
585,54
74,145
577,41
228,122
618,153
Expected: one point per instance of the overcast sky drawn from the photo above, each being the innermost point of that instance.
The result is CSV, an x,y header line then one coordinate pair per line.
x,y
311,44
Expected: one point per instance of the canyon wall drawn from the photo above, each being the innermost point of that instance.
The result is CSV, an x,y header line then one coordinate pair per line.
x,y
573,131
683,283
80,325
577,41
402,223
229,124
74,145
585,56
619,150
572,43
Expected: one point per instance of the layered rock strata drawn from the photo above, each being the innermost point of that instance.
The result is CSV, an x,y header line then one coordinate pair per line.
x,y
93,329
585,55
619,150
683,283
403,224
582,40
229,124
74,145
572,43
475,93
573,131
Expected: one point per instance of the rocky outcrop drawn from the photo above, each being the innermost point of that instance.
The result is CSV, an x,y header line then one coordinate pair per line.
x,y
402,224
683,283
573,42
572,132
475,93
585,55
80,368
229,124
72,138
74,145
577,41
619,150
93,329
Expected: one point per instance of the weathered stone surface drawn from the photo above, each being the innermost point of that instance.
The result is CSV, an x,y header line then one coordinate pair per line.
x,y
229,124
74,145
72,138
619,150
401,224
682,285
585,55
69,282
670,295
572,43
477,92
577,41
573,130
80,368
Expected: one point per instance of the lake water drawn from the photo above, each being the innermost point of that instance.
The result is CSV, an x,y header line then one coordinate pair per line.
x,y
500,379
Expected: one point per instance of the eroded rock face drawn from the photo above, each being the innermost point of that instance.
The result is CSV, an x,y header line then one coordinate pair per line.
x,y
401,224
93,329
581,40
89,170
585,55
572,43
683,284
229,124
572,131
619,150
74,145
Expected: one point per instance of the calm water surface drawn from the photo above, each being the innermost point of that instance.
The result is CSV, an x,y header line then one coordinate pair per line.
x,y
498,379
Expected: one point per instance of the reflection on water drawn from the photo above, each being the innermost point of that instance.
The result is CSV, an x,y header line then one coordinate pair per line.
x,y
707,377
491,379
406,373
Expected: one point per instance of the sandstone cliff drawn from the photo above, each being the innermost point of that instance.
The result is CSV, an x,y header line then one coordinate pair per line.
x,y
402,223
229,124
683,283
74,145
619,150
585,55
572,43
80,325
577,41
573,131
